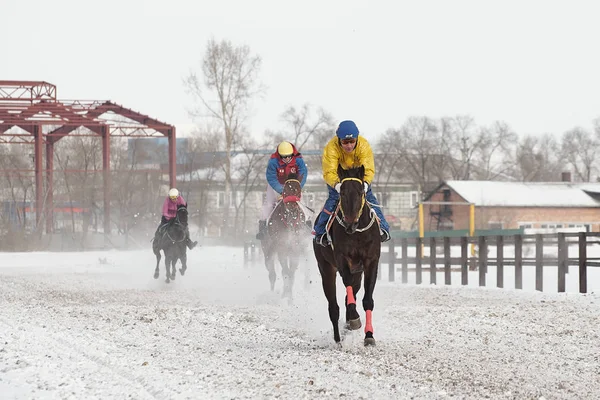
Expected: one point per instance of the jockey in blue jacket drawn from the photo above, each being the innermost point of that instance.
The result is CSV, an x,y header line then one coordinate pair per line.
x,y
284,161
349,150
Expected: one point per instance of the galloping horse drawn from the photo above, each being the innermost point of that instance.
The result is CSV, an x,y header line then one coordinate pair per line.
x,y
285,228
172,241
355,248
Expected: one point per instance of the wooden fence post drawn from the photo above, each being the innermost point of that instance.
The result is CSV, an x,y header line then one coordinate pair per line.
x,y
582,262
447,262
539,262
500,261
464,260
562,263
518,261
404,260
482,259
432,261
419,260
392,261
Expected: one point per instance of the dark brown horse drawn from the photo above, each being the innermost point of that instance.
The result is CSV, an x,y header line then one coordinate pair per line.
x,y
355,248
285,228
172,241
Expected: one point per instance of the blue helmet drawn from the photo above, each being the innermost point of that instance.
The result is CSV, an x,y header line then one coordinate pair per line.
x,y
347,130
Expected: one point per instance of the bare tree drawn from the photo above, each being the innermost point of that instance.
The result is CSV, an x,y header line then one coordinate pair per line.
x,y
580,149
492,154
17,182
460,141
230,82
79,159
250,170
305,127
537,159
419,147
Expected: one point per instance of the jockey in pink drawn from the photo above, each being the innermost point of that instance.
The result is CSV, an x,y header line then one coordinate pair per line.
x,y
169,211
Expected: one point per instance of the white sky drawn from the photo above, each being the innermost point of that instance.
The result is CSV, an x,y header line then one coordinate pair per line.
x,y
531,64
96,325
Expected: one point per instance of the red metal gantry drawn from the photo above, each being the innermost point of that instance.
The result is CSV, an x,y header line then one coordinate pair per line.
x,y
32,106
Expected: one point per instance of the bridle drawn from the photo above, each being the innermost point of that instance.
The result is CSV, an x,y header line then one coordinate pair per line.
x,y
292,198
341,220
295,199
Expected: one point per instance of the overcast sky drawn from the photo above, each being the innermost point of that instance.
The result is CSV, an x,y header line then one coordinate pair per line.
x,y
532,64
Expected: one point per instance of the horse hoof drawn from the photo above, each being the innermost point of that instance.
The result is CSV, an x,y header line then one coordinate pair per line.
x,y
182,271
156,276
353,324
167,280
369,341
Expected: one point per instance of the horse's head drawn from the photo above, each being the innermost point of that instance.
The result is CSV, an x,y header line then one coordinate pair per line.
x,y
352,196
288,211
292,190
182,215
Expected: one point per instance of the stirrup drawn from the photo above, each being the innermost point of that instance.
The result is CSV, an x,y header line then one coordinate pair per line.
x,y
322,240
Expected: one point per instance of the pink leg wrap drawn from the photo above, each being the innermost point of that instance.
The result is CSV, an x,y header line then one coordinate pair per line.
x,y
369,323
350,295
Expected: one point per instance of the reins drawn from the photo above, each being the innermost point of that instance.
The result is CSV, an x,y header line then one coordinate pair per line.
x,y
360,211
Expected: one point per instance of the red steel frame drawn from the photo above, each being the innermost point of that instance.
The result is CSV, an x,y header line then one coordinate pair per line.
x,y
33,107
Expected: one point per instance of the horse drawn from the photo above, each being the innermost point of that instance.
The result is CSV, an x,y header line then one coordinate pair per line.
x,y
285,228
172,241
355,249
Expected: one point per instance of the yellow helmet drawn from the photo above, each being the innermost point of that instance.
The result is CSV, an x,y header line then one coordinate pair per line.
x,y
285,149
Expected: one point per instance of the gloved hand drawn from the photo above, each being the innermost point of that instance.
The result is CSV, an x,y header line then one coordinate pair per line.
x,y
338,186
366,186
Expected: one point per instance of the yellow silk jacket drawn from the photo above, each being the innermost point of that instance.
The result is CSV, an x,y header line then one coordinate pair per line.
x,y
334,155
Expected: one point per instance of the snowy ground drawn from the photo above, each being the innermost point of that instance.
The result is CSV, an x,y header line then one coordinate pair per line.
x,y
98,326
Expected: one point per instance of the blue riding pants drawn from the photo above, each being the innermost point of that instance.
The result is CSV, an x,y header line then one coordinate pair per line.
x,y
332,201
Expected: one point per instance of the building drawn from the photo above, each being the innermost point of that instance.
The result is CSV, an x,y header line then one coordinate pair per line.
x,y
513,205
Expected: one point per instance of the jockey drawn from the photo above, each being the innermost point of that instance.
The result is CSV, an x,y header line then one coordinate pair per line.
x,y
169,211
284,161
349,150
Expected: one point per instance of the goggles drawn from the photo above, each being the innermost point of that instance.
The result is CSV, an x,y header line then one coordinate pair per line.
x,y
348,141
173,197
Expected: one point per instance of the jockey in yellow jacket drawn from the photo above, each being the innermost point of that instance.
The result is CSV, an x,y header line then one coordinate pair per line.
x,y
349,150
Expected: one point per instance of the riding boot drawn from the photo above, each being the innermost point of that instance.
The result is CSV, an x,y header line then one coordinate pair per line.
x,y
323,240
262,229
189,242
385,235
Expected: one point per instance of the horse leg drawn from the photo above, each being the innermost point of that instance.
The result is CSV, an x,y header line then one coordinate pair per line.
x,y
270,264
183,263
173,268
167,264
293,262
285,274
328,281
368,303
352,285
157,252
